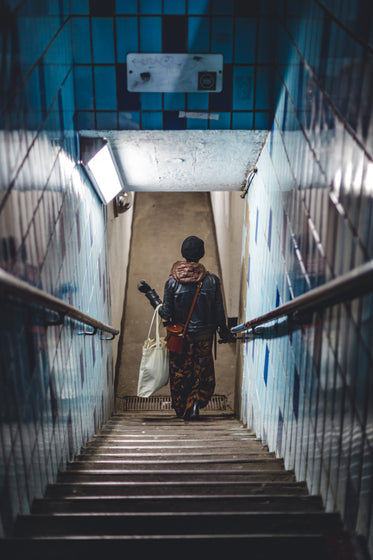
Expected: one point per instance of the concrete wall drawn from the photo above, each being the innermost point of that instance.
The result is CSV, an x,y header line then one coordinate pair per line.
x,y
228,210
119,231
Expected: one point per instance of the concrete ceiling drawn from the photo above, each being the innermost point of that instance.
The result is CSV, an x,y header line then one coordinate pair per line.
x,y
184,160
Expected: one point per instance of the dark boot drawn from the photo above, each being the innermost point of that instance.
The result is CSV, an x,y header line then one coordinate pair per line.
x,y
193,411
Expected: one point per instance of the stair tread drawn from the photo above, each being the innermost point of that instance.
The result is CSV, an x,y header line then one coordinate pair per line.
x,y
150,536
153,488
263,497
178,455
162,439
307,547
174,502
175,522
172,450
178,475
188,514
169,522
189,472
179,460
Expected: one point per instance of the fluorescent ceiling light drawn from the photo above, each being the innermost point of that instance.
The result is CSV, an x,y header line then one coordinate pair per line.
x,y
105,174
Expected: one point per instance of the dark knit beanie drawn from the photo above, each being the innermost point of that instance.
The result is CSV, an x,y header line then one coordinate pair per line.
x,y
193,248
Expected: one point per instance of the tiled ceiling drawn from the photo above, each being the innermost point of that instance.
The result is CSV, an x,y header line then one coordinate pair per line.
x,y
243,31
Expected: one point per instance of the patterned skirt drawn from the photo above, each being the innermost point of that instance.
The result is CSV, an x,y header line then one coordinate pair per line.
x,y
192,375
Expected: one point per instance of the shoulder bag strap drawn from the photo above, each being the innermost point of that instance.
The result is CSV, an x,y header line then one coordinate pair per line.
x,y
192,307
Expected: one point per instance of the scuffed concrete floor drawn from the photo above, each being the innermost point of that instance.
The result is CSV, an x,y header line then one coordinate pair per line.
x,y
162,220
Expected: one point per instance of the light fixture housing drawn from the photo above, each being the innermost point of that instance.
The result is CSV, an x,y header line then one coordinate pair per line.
x,y
104,174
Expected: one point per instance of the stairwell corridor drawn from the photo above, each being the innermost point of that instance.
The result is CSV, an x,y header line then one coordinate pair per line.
x,y
148,482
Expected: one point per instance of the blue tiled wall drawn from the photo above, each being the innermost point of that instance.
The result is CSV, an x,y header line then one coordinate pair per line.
x,y
244,32
308,393
56,383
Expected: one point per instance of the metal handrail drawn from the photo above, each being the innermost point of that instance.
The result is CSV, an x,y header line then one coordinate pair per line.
x,y
22,290
355,283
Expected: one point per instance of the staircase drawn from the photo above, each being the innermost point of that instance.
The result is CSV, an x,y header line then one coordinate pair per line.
x,y
151,483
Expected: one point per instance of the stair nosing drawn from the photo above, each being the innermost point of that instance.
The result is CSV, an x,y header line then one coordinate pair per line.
x,y
186,514
180,471
204,497
172,536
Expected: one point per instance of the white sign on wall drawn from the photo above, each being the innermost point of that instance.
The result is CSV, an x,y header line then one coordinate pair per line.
x,y
163,72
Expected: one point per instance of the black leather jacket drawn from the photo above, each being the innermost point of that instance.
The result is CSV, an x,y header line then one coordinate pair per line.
x,y
208,313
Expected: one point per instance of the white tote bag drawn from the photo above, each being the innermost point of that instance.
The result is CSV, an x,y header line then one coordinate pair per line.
x,y
154,367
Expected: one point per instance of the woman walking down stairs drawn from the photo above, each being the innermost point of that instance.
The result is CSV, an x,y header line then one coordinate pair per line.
x,y
151,483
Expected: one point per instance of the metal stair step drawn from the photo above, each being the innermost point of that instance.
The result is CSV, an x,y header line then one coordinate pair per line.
x,y
169,422
166,453
164,433
177,464
291,547
177,503
128,439
205,421
165,487
164,523
175,446
174,475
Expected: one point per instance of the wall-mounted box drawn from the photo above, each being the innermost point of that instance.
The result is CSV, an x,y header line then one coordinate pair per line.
x,y
163,72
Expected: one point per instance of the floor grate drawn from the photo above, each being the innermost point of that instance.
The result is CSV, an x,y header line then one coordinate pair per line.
x,y
217,402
